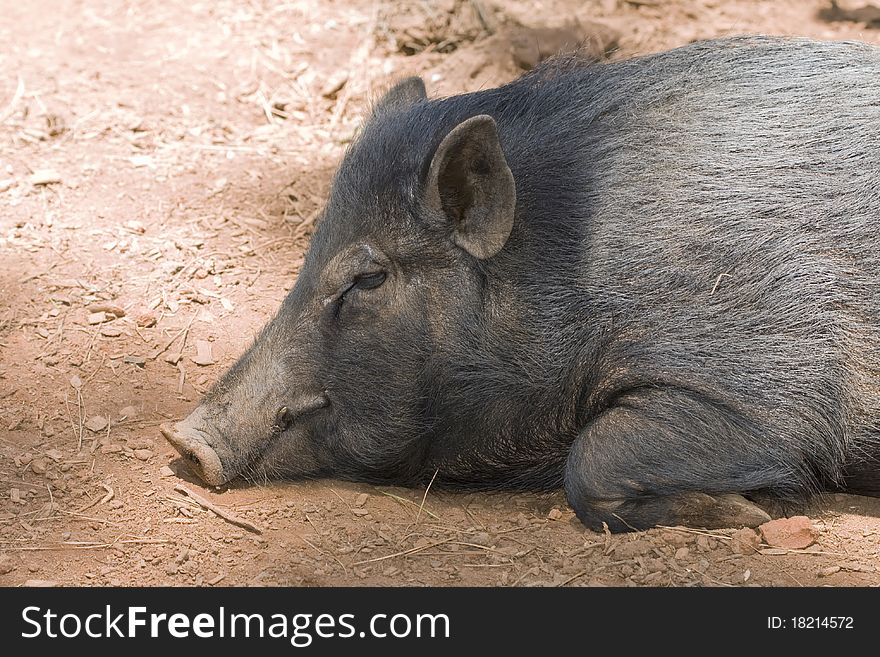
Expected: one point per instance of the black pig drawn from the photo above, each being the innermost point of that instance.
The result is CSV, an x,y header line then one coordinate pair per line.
x,y
654,282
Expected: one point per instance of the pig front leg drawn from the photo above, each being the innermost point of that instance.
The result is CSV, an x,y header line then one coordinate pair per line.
x,y
664,456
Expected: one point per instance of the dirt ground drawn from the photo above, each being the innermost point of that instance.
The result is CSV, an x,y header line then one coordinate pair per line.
x,y
161,164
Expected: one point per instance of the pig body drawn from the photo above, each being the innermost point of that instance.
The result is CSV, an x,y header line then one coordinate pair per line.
x,y
654,282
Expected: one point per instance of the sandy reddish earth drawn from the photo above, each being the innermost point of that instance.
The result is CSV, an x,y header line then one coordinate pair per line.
x,y
163,162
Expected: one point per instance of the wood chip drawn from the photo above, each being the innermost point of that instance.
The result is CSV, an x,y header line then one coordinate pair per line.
x,y
40,583
45,177
106,308
203,355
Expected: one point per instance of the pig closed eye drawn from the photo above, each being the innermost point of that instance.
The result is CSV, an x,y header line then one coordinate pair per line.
x,y
361,282
369,281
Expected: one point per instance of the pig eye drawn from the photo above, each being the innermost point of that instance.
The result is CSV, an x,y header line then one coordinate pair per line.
x,y
369,281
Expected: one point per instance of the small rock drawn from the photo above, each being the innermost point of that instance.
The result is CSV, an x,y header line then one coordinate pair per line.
x,y
111,332
829,571
361,499
681,554
134,360
146,319
127,413
745,541
96,423
25,458
99,318
114,504
15,495
795,533
45,177
165,471
555,514
139,443
54,454
76,382
40,583
38,466
203,353
6,564
111,449
359,512
6,184
143,454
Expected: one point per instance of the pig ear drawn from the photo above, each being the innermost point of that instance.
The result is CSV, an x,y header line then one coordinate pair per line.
x,y
470,183
403,94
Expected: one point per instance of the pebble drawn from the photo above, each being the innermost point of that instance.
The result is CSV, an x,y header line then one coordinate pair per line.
x,y
165,471
139,443
40,583
25,458
555,514
793,533
114,504
143,454
54,454
146,319
134,360
745,541
6,184
127,412
15,495
96,423
6,564
361,499
681,554
827,572
360,512
38,466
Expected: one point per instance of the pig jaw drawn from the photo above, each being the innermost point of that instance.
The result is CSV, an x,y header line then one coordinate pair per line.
x,y
190,440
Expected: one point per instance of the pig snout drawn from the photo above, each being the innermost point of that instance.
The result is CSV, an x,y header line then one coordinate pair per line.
x,y
192,446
